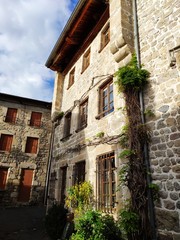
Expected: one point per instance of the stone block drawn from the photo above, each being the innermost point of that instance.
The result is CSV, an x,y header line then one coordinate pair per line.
x,y
168,220
174,136
169,204
174,196
176,168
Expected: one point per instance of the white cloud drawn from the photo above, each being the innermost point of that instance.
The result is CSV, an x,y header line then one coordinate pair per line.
x,y
28,32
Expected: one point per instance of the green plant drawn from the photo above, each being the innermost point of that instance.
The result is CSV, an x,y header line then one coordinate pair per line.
x,y
79,197
95,226
155,191
149,113
123,140
100,135
131,77
126,153
123,175
128,221
55,221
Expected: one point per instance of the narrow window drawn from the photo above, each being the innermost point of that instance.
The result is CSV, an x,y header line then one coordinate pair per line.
x,y
105,37
79,172
83,114
63,174
67,124
71,78
11,115
86,60
3,178
6,142
106,99
106,182
31,145
36,119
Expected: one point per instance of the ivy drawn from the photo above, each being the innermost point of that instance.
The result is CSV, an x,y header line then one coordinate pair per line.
x,y
131,77
134,219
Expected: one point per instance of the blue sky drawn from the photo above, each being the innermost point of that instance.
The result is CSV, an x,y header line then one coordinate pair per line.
x,y
28,31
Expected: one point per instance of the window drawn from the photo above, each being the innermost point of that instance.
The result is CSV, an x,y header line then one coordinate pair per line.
x,y
71,78
79,172
106,182
63,174
31,145
106,99
36,119
6,142
105,37
83,114
86,60
67,124
11,115
3,178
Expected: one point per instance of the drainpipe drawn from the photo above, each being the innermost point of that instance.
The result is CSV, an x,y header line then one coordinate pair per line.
x,y
146,156
49,166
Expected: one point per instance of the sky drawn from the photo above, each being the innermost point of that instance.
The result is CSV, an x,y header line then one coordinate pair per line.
x,y
29,30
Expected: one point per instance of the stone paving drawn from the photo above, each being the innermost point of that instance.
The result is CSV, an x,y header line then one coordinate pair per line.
x,y
23,223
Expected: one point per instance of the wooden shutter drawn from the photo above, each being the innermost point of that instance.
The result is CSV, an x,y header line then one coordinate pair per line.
x,y
31,145
36,119
11,115
3,177
6,142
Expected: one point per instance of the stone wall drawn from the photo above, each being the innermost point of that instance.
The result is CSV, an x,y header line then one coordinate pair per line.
x,y
17,159
159,34
103,65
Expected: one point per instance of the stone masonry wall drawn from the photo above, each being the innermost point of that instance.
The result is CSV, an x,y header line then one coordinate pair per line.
x,y
159,24
103,65
17,159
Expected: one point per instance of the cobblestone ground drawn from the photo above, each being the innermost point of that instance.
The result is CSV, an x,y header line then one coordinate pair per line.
x,y
22,223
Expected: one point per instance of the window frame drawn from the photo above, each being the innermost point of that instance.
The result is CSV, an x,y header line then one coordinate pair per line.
x,y
6,142
86,60
63,181
105,32
71,78
35,122
79,172
106,179
31,145
67,124
11,115
109,109
83,115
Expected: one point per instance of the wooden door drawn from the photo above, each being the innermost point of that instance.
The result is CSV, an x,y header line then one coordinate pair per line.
x,y
25,185
3,177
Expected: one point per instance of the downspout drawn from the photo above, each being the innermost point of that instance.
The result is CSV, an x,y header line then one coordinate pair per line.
x,y
146,155
49,166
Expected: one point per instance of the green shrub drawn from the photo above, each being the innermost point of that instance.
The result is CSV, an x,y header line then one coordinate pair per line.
x,y
95,226
55,221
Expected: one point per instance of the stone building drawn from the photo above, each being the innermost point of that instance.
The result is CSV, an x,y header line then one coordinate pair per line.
x,y
25,132
100,37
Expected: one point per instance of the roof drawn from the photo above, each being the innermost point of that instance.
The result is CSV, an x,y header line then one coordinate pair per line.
x,y
79,31
24,101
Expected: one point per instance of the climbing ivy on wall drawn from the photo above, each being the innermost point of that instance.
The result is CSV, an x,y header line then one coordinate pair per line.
x,y
131,80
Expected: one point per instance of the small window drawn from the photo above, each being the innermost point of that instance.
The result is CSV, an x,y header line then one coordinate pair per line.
x,y
3,178
86,60
67,124
6,142
71,78
11,115
106,182
83,114
36,119
79,172
105,37
106,99
31,145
